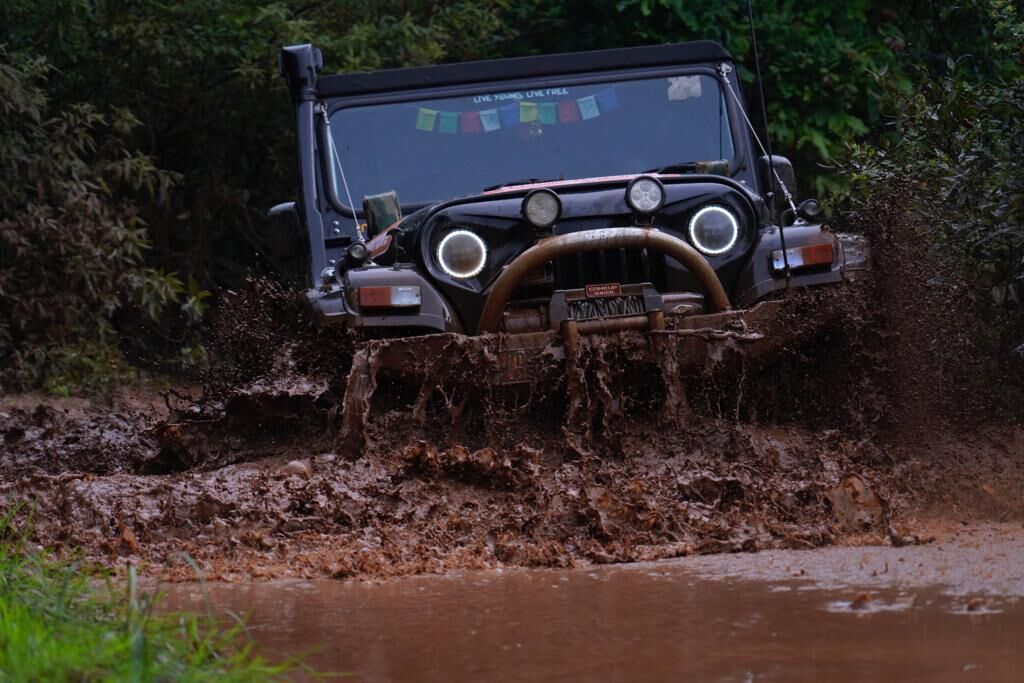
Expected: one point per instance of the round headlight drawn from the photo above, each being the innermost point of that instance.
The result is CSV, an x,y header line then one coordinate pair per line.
x,y
645,194
462,254
714,230
542,208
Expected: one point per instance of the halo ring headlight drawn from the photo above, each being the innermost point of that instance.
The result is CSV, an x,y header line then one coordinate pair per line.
x,y
714,230
461,254
645,194
542,208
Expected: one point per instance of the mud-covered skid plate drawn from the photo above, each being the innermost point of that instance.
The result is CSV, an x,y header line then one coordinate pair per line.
x,y
684,345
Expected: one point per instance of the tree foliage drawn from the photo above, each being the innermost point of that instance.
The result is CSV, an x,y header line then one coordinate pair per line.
x,y
72,238
954,141
183,100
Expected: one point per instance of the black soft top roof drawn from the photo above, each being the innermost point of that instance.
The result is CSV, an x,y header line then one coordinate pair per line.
x,y
703,51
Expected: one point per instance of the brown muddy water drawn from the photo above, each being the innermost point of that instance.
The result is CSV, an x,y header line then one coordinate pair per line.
x,y
806,616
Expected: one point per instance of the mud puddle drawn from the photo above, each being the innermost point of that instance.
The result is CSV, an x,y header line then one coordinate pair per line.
x,y
656,621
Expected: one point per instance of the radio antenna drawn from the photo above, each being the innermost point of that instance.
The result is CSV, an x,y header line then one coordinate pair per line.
x,y
772,177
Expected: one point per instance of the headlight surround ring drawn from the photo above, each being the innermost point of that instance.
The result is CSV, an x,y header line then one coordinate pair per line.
x,y
710,234
461,254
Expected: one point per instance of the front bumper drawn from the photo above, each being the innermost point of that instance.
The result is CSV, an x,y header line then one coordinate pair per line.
x,y
623,307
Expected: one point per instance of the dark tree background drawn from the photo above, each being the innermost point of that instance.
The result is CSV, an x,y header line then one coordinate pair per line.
x,y
141,142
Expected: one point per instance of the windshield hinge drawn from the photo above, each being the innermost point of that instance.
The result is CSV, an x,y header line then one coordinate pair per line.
x,y
321,109
724,68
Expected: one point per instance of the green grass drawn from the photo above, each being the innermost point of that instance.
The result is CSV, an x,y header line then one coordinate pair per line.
x,y
61,623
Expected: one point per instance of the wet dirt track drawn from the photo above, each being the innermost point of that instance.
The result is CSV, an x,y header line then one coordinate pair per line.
x,y
292,507
422,508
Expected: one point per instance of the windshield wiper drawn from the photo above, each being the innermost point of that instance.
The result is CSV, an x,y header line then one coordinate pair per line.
x,y
716,167
682,167
519,181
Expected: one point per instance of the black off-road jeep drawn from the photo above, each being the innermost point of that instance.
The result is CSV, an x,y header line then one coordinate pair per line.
x,y
547,197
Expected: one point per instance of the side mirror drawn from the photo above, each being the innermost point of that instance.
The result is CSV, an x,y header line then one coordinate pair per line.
x,y
783,169
381,212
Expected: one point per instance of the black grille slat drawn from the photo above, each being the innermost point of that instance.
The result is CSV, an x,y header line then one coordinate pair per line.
x,y
635,260
592,266
657,265
624,266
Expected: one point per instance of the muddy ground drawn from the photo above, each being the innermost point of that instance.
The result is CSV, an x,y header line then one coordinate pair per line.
x,y
255,472
299,509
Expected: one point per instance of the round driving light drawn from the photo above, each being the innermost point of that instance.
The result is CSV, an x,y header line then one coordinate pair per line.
x,y
462,254
357,253
809,209
714,230
542,208
645,194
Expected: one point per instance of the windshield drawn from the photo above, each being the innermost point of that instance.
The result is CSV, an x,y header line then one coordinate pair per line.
x,y
431,150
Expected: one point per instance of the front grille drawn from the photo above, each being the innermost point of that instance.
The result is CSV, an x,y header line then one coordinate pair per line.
x,y
624,266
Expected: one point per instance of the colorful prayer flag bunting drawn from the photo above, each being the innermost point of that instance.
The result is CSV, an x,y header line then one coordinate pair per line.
x,y
489,119
449,122
607,100
588,107
514,113
547,112
425,119
470,121
568,112
527,112
509,114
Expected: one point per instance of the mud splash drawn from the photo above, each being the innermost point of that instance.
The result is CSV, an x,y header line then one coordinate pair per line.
x,y
257,473
247,477
428,509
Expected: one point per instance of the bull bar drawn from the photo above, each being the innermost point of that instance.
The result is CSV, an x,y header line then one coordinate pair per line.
x,y
492,317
